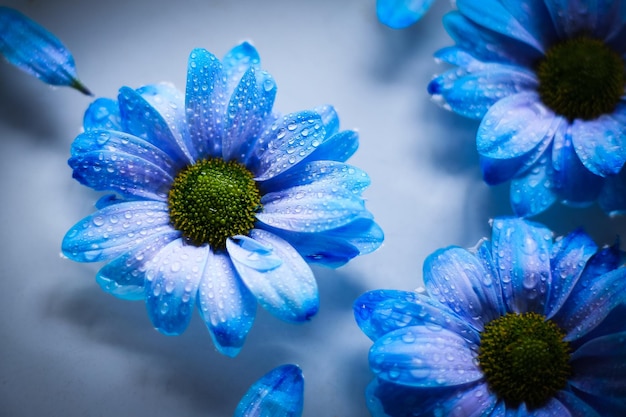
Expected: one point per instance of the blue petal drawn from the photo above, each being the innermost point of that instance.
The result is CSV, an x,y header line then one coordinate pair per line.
x,y
599,18
285,143
418,356
472,93
141,119
590,302
599,366
486,45
226,305
493,15
330,118
399,14
553,408
288,291
521,251
612,198
532,193
534,17
113,230
569,257
126,174
124,276
34,50
600,144
576,406
247,113
458,280
103,113
338,147
172,278
279,393
205,103
237,61
477,401
334,248
380,312
574,184
514,126
169,102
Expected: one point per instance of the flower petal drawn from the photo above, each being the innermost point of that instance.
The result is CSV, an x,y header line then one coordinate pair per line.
x,y
380,312
172,278
576,406
124,276
458,280
477,401
553,408
205,102
571,17
600,366
532,193
600,144
338,147
285,143
141,119
472,93
493,15
330,119
34,50
521,252
289,290
399,14
590,302
613,195
128,175
226,305
514,126
103,113
569,257
113,230
237,61
574,183
418,356
249,106
279,393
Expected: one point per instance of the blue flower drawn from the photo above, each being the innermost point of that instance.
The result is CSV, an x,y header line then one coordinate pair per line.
x,y
217,200
279,393
546,78
31,48
522,325
399,14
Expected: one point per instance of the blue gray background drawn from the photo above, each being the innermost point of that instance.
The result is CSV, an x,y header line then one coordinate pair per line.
x,y
69,349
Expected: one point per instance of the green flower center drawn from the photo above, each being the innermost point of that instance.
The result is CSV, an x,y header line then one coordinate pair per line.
x,y
581,78
213,200
524,359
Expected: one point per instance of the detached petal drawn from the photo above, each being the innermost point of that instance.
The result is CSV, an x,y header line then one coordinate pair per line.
x,y
286,289
172,278
600,144
398,14
113,230
521,252
514,126
279,393
34,50
226,305
418,356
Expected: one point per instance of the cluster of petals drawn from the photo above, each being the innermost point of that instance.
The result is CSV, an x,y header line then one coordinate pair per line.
x,y
312,211
545,156
426,343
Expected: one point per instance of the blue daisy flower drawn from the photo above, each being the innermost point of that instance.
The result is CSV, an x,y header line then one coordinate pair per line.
x,y
217,201
547,80
279,393
399,14
522,325
34,50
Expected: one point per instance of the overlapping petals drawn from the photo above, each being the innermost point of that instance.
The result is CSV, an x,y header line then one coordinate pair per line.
x,y
36,51
312,209
546,156
425,346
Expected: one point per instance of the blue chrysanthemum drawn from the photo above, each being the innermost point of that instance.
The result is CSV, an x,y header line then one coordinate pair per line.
x,y
399,14
279,393
218,201
547,79
36,51
518,326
